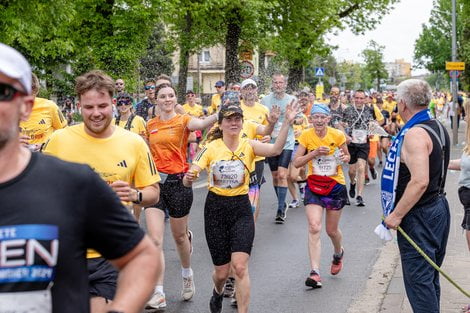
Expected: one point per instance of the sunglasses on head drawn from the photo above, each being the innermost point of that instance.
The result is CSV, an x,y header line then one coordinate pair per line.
x,y
123,102
149,87
8,92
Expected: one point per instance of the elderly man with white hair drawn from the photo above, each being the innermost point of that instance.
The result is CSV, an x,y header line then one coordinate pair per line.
x,y
413,195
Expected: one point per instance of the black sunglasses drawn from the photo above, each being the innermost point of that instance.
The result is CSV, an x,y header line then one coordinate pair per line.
x,y
123,102
8,92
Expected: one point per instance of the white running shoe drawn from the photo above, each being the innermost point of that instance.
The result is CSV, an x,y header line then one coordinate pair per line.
x,y
188,288
157,301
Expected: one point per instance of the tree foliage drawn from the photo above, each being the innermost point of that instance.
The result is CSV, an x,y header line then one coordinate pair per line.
x,y
374,65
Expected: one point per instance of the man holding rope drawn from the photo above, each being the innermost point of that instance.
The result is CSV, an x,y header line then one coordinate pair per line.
x,y
413,195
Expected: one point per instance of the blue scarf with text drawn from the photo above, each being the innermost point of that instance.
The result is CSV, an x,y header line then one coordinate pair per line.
x,y
390,171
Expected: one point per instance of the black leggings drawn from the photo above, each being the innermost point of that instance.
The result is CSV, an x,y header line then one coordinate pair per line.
x,y
229,226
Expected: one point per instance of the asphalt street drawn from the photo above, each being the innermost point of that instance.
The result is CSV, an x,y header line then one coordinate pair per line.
x,y
279,262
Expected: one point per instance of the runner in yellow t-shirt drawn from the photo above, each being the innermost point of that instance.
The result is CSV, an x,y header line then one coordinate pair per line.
x,y
127,119
228,218
323,148
217,97
120,157
45,118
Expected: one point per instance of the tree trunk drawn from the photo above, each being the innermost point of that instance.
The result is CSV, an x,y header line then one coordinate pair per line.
x,y
232,38
184,57
261,71
295,76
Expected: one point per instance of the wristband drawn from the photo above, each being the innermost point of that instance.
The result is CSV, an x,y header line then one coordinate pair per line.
x,y
138,201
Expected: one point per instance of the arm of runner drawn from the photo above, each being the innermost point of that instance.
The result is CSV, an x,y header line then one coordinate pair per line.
x,y
415,154
137,277
345,156
267,150
454,165
300,158
200,124
150,194
191,175
273,117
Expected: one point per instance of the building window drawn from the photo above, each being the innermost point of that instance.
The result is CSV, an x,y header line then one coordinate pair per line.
x,y
205,56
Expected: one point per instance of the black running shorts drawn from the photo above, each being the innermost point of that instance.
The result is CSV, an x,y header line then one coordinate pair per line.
x,y
229,226
175,197
102,278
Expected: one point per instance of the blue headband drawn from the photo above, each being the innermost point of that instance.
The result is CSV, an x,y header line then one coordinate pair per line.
x,y
320,108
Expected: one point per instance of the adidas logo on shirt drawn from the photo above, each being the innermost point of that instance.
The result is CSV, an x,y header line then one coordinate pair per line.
x,y
122,164
43,122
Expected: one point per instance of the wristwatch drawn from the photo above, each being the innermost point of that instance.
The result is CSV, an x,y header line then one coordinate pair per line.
x,y
138,201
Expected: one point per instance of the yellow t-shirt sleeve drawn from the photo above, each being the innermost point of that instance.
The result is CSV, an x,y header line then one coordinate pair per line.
x,y
52,145
58,119
140,126
202,159
146,172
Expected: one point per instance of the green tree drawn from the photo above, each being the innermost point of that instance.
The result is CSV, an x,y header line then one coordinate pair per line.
x,y
374,65
350,74
157,59
302,24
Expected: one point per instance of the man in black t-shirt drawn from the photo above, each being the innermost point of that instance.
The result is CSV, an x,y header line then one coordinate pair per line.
x,y
51,212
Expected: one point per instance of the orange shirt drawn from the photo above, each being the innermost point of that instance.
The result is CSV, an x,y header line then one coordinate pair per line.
x,y
168,141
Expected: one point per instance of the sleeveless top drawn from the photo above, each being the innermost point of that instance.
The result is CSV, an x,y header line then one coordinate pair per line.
x,y
436,178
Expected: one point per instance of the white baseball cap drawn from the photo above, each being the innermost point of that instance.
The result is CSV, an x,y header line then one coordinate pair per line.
x,y
247,82
14,65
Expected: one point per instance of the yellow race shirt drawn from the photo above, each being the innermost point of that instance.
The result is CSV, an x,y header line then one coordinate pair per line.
x,y
257,113
45,118
195,110
122,156
334,138
378,117
389,105
228,172
215,102
138,126
298,128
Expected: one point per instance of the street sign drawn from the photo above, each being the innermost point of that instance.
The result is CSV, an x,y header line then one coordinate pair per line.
x,y
455,74
319,71
332,80
455,66
247,69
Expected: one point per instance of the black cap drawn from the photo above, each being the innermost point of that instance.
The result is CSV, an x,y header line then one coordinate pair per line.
x,y
230,110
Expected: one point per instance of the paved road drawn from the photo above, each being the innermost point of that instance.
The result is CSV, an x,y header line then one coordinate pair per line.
x,y
279,262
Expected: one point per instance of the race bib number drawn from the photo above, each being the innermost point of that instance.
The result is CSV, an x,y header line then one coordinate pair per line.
x,y
359,136
325,166
227,174
26,301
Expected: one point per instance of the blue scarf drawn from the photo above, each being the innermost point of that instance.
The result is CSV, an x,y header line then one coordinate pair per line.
x,y
392,164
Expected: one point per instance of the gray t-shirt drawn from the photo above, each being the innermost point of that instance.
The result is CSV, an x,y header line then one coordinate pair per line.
x,y
269,101
464,179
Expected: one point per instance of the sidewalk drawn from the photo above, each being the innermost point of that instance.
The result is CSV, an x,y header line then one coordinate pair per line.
x,y
457,260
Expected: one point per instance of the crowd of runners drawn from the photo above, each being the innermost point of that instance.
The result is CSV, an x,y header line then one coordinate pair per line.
x,y
151,151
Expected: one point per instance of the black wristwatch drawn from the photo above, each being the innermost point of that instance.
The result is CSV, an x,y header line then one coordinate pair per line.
x,y
138,201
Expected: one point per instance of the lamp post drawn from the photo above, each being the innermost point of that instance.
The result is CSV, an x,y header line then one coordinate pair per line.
x,y
454,77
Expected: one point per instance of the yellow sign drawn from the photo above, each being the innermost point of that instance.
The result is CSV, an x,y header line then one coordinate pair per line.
x,y
319,90
246,55
455,66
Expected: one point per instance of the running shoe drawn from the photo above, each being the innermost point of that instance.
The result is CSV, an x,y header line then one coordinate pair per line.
x,y
157,301
352,190
337,263
313,280
373,173
229,289
215,304
360,201
366,180
190,237
280,218
188,288
294,204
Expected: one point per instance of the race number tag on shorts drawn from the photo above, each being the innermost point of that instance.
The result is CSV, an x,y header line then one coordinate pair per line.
x,y
359,136
39,301
325,166
227,174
